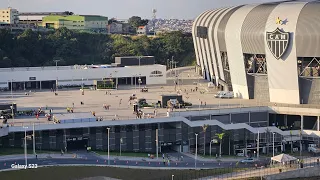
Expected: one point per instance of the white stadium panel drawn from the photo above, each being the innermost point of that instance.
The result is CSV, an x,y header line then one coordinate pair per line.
x,y
209,48
234,50
198,46
218,53
282,72
194,35
212,59
201,46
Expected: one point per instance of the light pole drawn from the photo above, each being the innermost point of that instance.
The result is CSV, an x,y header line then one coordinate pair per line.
x,y
121,140
195,158
115,72
210,145
172,177
157,143
25,145
273,143
12,113
108,129
139,81
82,84
34,139
258,148
56,61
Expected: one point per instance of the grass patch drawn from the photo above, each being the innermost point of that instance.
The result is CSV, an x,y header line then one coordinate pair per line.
x,y
70,173
14,151
128,154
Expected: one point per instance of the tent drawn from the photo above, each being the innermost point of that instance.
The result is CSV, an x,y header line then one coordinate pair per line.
x,y
283,158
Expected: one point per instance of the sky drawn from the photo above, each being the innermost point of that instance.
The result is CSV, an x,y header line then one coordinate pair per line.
x,y
123,9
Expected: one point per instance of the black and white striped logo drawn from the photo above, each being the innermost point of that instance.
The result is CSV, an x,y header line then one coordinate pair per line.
x,y
278,42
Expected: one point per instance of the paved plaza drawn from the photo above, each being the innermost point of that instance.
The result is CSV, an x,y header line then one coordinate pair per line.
x,y
94,99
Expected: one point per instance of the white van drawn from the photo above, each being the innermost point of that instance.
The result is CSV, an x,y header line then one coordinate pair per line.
x,y
224,94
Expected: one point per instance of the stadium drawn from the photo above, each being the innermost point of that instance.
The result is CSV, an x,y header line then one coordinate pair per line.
x,y
265,51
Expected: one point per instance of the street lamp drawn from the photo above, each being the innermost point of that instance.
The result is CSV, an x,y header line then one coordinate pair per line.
x,y
25,145
12,113
195,158
157,142
172,177
108,129
273,143
139,81
212,141
56,61
121,141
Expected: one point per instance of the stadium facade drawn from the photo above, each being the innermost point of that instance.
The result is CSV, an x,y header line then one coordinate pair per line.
x,y
268,51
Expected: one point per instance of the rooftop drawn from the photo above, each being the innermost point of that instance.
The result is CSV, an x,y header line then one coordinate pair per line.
x,y
75,18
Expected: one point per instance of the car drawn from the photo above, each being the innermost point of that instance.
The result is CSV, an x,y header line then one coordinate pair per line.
x,y
224,94
247,160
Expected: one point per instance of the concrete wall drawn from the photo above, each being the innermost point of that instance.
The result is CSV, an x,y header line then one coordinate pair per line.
x,y
261,88
68,74
309,91
299,173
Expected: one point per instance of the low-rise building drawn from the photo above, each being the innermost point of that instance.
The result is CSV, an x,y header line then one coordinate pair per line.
x,y
86,22
9,16
142,30
115,28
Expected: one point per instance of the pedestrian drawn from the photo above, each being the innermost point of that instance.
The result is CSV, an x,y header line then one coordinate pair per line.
x,y
164,162
205,104
36,156
168,162
201,103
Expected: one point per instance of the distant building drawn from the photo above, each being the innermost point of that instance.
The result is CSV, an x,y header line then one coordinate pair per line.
x,y
9,16
115,28
87,22
142,30
35,18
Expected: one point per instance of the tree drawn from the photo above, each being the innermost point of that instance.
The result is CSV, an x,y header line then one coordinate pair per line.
x,y
136,21
220,137
204,129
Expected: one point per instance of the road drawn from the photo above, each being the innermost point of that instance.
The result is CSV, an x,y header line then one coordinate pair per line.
x,y
92,159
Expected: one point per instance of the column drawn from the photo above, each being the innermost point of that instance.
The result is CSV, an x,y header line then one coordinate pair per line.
x,y
148,143
112,139
123,135
230,118
301,122
249,117
179,134
99,138
52,139
161,138
40,85
318,123
135,138
64,138
24,85
285,120
131,81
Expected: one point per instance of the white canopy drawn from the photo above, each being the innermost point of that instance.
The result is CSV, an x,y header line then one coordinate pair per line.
x,y
283,158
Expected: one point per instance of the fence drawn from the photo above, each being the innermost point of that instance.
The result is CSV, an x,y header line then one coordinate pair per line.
x,y
256,170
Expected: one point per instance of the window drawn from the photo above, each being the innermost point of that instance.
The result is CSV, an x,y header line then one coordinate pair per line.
x,y
202,32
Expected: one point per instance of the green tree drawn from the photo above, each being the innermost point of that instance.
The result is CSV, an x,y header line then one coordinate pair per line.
x,y
220,137
136,21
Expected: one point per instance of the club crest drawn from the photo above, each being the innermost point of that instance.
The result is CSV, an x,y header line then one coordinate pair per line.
x,y
278,42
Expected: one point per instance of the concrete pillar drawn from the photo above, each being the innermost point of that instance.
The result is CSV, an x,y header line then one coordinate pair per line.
x,y
249,117
24,85
148,140
40,85
135,138
112,139
123,135
230,118
131,81
301,122
318,123
285,120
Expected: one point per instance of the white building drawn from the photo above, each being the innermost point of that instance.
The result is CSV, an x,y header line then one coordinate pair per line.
x,y
9,16
24,78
